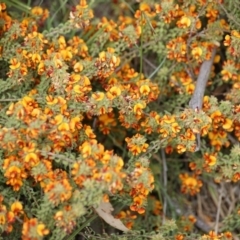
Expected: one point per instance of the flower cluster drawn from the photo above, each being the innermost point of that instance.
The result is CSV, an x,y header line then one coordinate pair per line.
x,y
190,184
9,215
141,183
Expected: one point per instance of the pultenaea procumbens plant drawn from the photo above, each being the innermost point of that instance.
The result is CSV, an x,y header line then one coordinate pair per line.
x,y
80,125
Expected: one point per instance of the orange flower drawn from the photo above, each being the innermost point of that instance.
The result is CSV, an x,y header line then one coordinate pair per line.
x,y
137,109
184,22
16,208
115,91
42,230
211,236
58,63
227,40
2,7
228,235
136,144
137,201
83,4
36,58
41,68
33,230
89,132
78,67
118,164
75,123
14,63
210,159
227,124
98,96
51,100
144,89
86,149
31,159
15,175
38,11
179,237
58,191
181,148
190,184
63,127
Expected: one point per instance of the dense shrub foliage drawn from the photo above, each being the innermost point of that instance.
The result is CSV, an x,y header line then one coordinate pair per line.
x,y
104,103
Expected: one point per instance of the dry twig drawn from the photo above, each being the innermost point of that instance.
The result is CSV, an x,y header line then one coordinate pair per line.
x,y
163,156
197,97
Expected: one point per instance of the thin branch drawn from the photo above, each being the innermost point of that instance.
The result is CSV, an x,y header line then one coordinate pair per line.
x,y
141,48
228,14
202,225
129,6
149,63
15,99
157,68
58,156
149,23
219,208
232,139
19,220
163,156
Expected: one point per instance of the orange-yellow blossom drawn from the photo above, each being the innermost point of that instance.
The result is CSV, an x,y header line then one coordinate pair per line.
x,y
197,52
137,109
98,96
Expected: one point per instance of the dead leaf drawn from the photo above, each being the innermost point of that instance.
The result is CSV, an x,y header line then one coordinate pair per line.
x,y
105,212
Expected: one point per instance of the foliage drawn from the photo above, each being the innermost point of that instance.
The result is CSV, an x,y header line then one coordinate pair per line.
x,y
94,107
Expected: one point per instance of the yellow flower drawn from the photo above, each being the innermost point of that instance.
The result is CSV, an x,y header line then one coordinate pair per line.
x,y
58,63
63,127
41,68
184,22
144,89
14,63
86,149
58,119
74,78
137,109
115,91
36,58
51,100
210,159
227,125
31,158
16,207
38,11
181,148
78,67
42,230
89,132
197,52
78,89
98,96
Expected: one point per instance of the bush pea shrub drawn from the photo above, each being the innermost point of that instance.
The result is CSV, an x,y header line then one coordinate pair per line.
x,y
131,105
